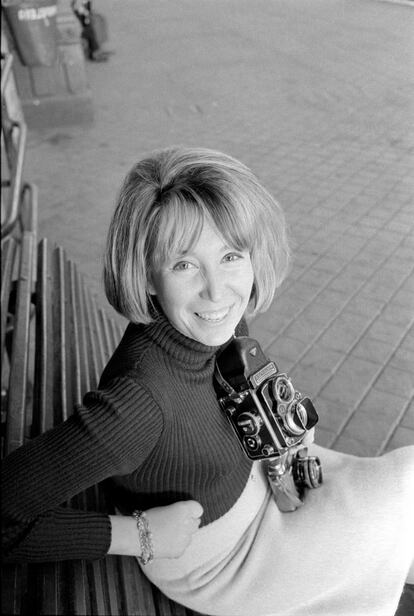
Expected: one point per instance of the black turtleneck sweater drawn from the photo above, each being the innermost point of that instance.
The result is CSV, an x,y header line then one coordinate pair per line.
x,y
153,430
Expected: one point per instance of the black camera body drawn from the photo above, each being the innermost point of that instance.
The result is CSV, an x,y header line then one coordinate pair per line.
x,y
266,412
270,418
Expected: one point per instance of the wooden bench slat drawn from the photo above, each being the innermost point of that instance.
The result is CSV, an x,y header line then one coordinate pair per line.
x,y
113,586
53,385
19,364
84,338
79,592
136,601
44,360
94,352
97,333
8,251
165,607
73,348
96,588
63,338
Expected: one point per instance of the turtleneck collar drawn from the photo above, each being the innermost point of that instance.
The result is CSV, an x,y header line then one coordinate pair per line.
x,y
187,352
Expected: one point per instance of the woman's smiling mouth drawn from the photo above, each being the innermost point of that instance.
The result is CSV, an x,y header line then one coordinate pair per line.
x,y
213,316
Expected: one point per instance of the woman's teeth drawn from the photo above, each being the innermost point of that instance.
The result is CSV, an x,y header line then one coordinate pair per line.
x,y
213,317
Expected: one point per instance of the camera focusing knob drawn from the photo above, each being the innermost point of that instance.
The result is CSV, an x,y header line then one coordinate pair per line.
x,y
248,423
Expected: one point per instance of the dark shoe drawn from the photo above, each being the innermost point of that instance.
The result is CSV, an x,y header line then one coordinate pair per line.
x,y
100,56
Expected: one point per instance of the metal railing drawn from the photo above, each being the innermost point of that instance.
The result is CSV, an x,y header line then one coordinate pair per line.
x,y
14,191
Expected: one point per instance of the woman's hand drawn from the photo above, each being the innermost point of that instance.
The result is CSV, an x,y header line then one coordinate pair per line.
x,y
173,526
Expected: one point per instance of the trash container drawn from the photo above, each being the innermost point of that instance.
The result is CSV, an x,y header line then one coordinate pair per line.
x,y
33,27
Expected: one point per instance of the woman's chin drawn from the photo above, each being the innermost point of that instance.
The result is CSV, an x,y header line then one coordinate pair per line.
x,y
214,334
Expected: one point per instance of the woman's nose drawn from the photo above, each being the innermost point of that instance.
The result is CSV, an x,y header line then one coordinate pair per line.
x,y
213,285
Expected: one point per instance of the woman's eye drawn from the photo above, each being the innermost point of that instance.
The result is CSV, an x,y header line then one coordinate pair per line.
x,y
232,256
182,266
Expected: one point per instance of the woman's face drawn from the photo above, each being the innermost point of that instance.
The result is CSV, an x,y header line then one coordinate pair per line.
x,y
204,291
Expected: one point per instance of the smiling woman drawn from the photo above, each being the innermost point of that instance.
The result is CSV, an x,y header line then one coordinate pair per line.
x,y
195,247
177,191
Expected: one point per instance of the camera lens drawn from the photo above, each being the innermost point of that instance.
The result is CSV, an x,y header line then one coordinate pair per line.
x,y
283,389
296,418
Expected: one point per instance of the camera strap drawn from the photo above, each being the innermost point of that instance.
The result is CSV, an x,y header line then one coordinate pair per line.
x,y
222,381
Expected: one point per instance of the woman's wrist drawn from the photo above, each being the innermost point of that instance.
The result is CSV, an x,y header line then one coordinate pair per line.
x,y
125,539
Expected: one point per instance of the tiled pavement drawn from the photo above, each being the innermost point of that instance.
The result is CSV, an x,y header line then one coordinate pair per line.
x,y
315,97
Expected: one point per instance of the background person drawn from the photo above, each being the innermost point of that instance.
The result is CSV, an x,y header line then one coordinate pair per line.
x,y
94,30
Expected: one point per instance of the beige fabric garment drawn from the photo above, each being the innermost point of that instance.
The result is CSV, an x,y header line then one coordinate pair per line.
x,y
346,552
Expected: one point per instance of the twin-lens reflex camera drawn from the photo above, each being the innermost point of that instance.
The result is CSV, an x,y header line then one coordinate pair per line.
x,y
270,418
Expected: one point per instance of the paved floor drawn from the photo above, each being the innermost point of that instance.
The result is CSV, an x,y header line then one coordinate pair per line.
x,y
315,97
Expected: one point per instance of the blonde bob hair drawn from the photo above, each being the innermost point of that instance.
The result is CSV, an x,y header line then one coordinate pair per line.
x,y
161,207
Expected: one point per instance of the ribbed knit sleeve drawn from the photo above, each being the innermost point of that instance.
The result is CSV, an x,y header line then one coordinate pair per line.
x,y
111,434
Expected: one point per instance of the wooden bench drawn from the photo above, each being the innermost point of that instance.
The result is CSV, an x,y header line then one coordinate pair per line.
x,y
55,342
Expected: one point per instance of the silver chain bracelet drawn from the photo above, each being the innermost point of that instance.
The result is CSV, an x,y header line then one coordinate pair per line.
x,y
145,537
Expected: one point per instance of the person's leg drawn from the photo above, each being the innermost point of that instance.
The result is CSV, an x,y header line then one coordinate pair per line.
x,y
345,552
